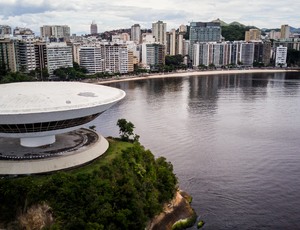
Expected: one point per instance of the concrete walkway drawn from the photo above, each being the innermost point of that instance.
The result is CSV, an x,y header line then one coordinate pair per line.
x,y
70,150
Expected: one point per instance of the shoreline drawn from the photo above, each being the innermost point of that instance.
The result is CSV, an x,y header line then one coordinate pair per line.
x,y
186,74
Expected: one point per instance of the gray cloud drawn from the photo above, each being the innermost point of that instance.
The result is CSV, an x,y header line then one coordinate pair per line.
x,y
113,14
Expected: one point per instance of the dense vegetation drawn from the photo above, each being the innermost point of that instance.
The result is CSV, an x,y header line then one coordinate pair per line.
x,y
121,190
293,57
235,32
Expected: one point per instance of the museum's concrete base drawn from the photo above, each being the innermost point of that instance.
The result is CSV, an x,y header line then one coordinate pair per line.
x,y
70,150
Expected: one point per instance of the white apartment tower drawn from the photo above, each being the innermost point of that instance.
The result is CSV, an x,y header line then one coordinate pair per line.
x,y
115,58
159,31
281,55
172,42
58,55
91,59
136,33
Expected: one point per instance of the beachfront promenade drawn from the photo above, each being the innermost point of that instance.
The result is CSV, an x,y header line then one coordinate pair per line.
x,y
186,73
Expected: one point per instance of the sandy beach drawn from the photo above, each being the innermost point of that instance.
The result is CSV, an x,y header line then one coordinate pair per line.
x,y
188,74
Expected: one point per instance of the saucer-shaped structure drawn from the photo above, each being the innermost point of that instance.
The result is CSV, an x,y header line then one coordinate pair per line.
x,y
48,118
36,111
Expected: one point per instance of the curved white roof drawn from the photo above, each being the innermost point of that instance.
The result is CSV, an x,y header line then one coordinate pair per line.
x,y
41,97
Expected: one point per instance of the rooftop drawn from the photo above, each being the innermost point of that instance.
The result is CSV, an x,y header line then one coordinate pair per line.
x,y
39,97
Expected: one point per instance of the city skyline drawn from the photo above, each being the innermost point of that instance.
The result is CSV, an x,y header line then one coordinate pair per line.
x,y
113,15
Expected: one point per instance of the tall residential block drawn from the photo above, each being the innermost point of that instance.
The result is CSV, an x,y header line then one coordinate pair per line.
x,y
262,52
281,55
175,42
204,32
130,61
159,31
115,58
253,35
285,31
91,58
153,55
8,54
136,33
58,55
41,55
56,31
94,28
247,54
5,30
26,58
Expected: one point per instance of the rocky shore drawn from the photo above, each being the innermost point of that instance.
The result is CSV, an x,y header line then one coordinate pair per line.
x,y
178,209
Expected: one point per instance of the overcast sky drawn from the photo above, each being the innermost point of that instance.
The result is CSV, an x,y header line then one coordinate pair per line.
x,y
115,14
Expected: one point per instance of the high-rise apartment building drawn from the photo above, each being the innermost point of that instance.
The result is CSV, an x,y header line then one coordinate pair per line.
x,y
204,32
130,61
8,54
115,58
56,31
94,28
136,33
159,31
216,53
41,56
5,30
58,55
247,54
285,31
91,58
281,55
262,52
174,42
182,28
22,31
274,34
253,35
153,55
26,58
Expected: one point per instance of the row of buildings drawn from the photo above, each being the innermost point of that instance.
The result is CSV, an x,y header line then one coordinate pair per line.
x,y
205,46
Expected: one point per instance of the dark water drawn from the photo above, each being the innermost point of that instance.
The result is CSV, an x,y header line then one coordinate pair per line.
x,y
234,141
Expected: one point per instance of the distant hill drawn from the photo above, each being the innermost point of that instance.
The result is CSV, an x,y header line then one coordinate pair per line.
x,y
222,23
295,30
237,24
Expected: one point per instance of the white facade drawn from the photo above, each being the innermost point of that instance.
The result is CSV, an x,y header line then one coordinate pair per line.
x,y
58,55
115,58
172,43
40,110
91,59
123,65
281,55
148,38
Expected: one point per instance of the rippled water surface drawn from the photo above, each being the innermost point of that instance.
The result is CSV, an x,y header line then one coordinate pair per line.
x,y
234,141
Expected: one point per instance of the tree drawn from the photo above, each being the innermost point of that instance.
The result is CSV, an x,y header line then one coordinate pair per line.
x,y
211,66
16,77
293,57
126,129
202,67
